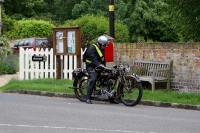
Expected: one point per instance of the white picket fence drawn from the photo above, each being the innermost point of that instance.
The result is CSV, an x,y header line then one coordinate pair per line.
x,y
34,69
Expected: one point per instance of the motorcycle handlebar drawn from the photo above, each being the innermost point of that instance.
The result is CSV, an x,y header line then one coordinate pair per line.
x,y
109,70
106,69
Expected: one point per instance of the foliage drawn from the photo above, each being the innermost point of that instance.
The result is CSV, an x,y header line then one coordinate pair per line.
x,y
7,22
81,8
93,28
162,32
8,25
155,20
9,65
23,9
145,16
101,8
4,46
8,62
121,32
48,44
32,28
61,10
185,15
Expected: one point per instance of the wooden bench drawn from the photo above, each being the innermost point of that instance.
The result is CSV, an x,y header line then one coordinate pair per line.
x,y
153,71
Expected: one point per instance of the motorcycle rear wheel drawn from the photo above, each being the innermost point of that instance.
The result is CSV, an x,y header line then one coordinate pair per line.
x,y
133,95
80,88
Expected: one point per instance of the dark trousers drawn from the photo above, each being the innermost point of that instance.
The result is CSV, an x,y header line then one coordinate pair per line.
x,y
92,81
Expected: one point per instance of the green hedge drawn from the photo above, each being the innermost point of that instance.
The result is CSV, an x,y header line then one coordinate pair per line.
x,y
30,28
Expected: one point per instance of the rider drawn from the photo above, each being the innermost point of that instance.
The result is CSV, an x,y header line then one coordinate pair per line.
x,y
95,57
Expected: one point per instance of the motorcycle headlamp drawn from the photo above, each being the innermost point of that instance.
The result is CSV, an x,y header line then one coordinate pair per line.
x,y
127,69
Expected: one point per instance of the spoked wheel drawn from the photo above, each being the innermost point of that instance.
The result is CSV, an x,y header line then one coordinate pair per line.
x,y
80,88
131,95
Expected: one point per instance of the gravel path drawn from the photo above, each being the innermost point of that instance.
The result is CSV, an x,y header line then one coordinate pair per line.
x,y
4,79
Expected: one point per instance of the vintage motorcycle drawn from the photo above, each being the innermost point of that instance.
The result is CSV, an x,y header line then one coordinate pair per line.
x,y
115,82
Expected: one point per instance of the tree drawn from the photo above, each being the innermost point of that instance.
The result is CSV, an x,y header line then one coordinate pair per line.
x,y
147,20
186,17
98,7
24,8
61,10
80,9
142,17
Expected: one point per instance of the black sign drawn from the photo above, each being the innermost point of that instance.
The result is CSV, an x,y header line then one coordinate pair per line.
x,y
39,58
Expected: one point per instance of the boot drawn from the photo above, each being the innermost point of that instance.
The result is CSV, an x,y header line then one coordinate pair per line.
x,y
88,101
114,101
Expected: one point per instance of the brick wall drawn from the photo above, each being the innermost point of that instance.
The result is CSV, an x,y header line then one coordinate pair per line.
x,y
186,60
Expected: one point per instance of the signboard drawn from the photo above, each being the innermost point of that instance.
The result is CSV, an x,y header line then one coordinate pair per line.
x,y
39,58
67,41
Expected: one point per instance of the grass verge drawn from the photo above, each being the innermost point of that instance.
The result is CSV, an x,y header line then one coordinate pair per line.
x,y
62,86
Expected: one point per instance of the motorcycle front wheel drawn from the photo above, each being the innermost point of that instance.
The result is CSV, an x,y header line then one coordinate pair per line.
x,y
131,93
80,88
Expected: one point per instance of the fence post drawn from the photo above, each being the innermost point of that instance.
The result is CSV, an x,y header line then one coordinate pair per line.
x,y
21,62
58,65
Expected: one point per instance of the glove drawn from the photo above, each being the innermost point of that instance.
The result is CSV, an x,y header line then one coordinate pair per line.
x,y
101,66
108,70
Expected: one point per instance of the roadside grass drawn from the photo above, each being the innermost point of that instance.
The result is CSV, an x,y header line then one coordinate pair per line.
x,y
172,97
47,85
62,86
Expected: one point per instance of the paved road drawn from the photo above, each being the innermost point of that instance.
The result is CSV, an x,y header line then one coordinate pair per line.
x,y
37,114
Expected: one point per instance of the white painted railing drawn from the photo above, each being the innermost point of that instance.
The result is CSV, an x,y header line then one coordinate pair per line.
x,y
34,69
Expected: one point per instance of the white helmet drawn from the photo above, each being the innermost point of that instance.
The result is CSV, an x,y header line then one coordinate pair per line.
x,y
102,40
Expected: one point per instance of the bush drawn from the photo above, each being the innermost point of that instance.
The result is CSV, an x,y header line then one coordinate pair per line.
x,y
9,64
31,28
4,46
93,28
8,26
